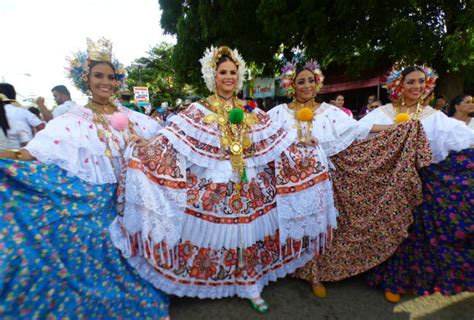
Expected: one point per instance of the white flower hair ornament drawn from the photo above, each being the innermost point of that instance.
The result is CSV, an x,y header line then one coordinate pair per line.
x,y
209,66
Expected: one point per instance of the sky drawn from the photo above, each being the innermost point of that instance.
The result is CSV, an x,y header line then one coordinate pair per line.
x,y
38,35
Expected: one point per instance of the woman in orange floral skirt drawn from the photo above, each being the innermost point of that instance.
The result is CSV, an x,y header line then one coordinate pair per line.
x,y
216,206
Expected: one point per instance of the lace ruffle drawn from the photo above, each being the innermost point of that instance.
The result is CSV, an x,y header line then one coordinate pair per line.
x,y
199,142
160,281
71,142
334,129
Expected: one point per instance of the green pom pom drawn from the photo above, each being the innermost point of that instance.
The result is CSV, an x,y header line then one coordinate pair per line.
x,y
244,176
236,116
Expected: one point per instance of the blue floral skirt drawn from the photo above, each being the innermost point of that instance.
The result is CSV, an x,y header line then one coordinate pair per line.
x,y
56,258
438,253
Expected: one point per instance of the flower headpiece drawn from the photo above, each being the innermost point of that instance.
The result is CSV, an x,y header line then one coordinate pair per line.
x,y
288,74
209,66
393,81
79,63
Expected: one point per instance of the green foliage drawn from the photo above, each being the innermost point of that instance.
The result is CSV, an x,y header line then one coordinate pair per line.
x,y
156,72
355,34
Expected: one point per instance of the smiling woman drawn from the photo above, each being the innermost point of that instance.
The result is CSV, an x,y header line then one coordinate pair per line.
x,y
60,261
435,256
215,205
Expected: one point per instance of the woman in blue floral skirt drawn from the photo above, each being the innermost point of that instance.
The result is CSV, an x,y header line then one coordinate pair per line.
x,y
56,256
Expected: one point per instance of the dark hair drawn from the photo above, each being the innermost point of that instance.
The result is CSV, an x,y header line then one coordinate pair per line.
x,y
126,96
3,118
94,63
223,59
339,95
457,100
411,69
8,90
440,96
35,111
301,69
62,89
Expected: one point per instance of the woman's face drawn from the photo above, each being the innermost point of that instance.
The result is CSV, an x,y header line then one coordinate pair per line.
x,y
305,86
466,106
340,101
102,82
226,78
414,85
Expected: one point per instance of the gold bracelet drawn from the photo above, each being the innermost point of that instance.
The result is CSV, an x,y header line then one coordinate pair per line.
x,y
17,154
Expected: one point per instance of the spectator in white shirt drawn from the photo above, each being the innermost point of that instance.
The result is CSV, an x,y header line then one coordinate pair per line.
x,y
16,124
462,108
62,96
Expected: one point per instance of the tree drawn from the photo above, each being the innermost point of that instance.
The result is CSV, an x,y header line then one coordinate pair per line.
x,y
355,34
156,72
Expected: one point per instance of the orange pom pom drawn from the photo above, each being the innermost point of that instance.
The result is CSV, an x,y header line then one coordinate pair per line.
x,y
401,117
304,114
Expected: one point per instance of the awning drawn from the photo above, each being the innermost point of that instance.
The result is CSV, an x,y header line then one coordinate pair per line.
x,y
352,85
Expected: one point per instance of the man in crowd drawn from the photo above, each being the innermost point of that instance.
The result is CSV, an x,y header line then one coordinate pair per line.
x,y
441,103
62,96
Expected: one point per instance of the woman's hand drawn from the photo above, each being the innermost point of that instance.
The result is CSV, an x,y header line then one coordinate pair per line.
x,y
21,154
139,141
376,128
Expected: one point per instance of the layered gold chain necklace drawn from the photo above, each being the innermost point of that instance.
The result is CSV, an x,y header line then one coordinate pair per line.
x,y
234,127
401,117
105,132
303,114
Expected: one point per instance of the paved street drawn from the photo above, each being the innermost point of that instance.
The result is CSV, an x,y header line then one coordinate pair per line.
x,y
350,299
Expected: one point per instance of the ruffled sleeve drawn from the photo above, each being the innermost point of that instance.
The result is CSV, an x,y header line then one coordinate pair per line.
x,y
145,126
378,116
446,134
335,130
71,142
199,142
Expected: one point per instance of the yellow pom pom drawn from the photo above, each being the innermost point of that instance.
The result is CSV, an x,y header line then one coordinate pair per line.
x,y
401,117
304,114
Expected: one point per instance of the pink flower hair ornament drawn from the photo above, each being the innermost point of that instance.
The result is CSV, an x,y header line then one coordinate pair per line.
x,y
288,75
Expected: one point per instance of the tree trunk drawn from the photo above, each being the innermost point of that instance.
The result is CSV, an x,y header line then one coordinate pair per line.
x,y
450,84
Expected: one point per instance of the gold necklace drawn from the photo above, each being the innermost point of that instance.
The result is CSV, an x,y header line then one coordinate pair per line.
x,y
234,137
104,108
105,133
304,115
409,115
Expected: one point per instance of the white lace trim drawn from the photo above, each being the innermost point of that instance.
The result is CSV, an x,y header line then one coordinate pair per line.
x,y
268,153
334,129
148,272
307,213
154,210
158,213
444,134
70,141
